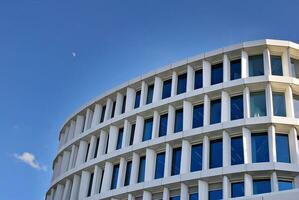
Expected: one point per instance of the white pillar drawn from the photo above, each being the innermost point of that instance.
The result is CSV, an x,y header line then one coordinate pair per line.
x,y
248,185
206,73
286,62
150,164
135,168
88,118
166,194
66,137
143,94
203,190
226,68
75,188
174,83
247,146
206,153
168,160
187,115
98,175
81,152
267,62
113,135
72,130
272,144
226,149
170,119
121,173
244,64
190,78
184,192
67,190
226,188
289,102
106,184
102,143
131,197
130,101
59,192
294,149
147,195
84,184
246,102
296,181
225,106
65,161
96,116
127,133
186,157
274,182
269,100
79,125
157,89
206,110
92,147
119,103
72,157
156,123
138,129
108,111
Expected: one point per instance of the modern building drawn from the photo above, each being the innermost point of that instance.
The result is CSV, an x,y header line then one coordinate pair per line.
x,y
219,125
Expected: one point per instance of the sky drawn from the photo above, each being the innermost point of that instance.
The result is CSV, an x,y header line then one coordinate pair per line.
x,y
57,55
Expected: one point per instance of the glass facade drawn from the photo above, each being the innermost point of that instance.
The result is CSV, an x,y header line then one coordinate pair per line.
x,y
296,105
276,65
137,99
163,125
196,157
166,92
258,104
141,171
132,134
178,123
215,153
120,138
193,196
114,176
147,129
236,107
198,79
237,153
237,189
282,148
175,198
285,185
235,69
128,173
150,93
215,114
279,108
256,65
198,116
182,83
176,161
295,68
261,186
160,163
259,147
216,73
215,194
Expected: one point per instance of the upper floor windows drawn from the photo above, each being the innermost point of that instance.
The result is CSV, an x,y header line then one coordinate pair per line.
x,y
276,65
182,83
215,194
150,93
198,79
296,105
128,173
163,125
198,116
236,104
237,189
196,157
160,163
193,196
114,176
237,155
256,65
176,161
295,68
123,107
119,138
257,104
103,114
215,116
132,133
285,185
261,186
282,148
141,171
90,184
216,73
147,130
215,153
259,147
279,108
235,69
113,109
166,91
178,124
137,99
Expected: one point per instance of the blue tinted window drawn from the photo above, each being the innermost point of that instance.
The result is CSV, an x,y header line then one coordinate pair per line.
x,y
137,99
166,89
175,198
198,79
257,104
120,138
132,134
123,107
150,93
113,109
197,116
160,162
97,147
237,189
163,125
279,107
237,155
128,173
282,148
236,107
101,182
294,68
196,157
276,65
256,65
215,115
106,148
259,147
296,105
216,153
103,114
193,196
178,124
235,69
147,130
215,194
141,171
114,176
217,73
176,161
285,185
182,83
261,186
90,184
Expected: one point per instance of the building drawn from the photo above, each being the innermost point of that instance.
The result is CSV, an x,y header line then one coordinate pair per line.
x,y
218,125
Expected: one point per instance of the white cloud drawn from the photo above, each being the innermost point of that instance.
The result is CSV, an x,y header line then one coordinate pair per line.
x,y
30,160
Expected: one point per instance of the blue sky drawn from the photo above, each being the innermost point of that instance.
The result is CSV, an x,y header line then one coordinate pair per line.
x,y
57,55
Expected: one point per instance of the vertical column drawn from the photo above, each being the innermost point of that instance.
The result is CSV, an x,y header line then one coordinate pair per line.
x,y
289,102
75,188
84,184
186,157
156,123
187,115
226,188
67,190
190,78
203,190
113,135
131,197
267,62
59,165
274,182
127,133
119,103
184,191
246,102
269,101
248,185
108,111
150,164
174,83
247,146
294,150
52,194
70,164
147,195
67,132
130,99
244,64
138,129
88,118
121,173
272,143
206,73
98,174
72,130
296,181
135,168
96,116
286,62
103,142
107,177
166,194
206,153
157,89
81,152
170,119
143,93
226,68
79,125
65,161
59,192
93,143
168,159
225,106
206,110
226,149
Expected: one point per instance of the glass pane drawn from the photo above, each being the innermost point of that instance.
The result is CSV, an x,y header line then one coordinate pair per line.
x,y
166,89
176,161
215,115
282,148
123,108
257,104
196,157
256,65
296,105
279,108
215,194
128,173
276,65
237,154
285,185
137,99
113,109
295,68
147,130
198,79
90,184
261,186
178,124
193,196
235,69
103,114
197,116
163,125
259,147
217,73
216,153
150,93
182,83
175,198
237,189
141,171
114,176
236,105
120,138
160,162
132,134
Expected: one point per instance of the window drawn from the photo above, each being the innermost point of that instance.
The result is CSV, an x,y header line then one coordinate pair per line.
x,y
166,92
128,173
175,198
193,196
106,148
176,161
216,74
90,184
198,79
182,83
132,134
236,107
114,176
198,116
215,153
256,65
103,114
196,157
295,68
150,93
257,104
237,155
296,105
215,115
178,124
101,182
141,171
97,147
282,148
123,107
87,150
137,99
237,189
113,109
215,194
147,129
279,108
163,125
235,69
259,147
160,162
276,65
261,186
285,185
119,138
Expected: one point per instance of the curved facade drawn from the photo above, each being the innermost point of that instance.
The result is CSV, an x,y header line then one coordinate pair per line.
x,y
216,126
